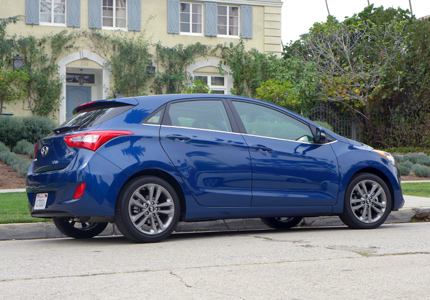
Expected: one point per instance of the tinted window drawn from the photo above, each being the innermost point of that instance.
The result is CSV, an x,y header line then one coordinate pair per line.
x,y
208,114
94,116
155,118
263,121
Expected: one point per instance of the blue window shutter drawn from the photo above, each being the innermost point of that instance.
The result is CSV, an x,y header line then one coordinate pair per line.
x,y
173,16
32,12
74,13
134,15
211,16
246,22
95,14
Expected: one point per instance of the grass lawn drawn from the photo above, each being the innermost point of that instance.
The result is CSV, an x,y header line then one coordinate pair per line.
x,y
13,209
420,189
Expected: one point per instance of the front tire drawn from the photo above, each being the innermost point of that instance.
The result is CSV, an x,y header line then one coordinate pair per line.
x,y
367,202
147,210
282,222
77,229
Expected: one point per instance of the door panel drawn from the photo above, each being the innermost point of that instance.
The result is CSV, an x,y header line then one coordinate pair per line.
x,y
213,161
288,168
76,95
292,173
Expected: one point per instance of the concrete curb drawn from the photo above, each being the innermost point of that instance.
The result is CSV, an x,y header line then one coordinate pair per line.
x,y
48,230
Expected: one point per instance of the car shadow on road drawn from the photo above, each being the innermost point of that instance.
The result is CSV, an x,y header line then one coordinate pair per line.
x,y
186,236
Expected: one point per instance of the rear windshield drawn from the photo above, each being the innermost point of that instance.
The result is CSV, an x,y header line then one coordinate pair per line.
x,y
91,117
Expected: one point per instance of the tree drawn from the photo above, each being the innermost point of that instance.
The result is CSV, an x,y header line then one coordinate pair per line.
x,y
355,58
12,86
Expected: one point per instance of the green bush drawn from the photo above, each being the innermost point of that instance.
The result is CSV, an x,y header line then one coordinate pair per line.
x,y
407,164
24,147
16,162
37,128
398,158
3,147
421,171
11,129
32,129
413,157
423,160
404,170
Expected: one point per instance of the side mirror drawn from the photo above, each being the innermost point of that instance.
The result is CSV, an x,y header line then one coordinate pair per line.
x,y
320,136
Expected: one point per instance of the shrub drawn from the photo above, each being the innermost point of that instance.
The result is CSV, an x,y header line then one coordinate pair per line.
x,y
36,128
413,157
407,164
421,171
423,160
11,130
398,158
3,147
24,147
16,162
404,170
32,129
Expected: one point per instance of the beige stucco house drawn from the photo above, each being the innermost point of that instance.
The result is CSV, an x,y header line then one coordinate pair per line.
x,y
169,22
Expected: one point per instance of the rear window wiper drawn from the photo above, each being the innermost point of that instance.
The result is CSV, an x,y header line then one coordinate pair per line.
x,y
64,129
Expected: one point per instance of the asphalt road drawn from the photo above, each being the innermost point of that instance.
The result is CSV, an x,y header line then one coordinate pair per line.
x,y
392,262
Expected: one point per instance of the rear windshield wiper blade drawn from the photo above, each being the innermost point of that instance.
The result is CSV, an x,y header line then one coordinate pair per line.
x,y
64,129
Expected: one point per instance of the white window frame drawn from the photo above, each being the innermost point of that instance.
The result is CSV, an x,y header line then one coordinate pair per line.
x,y
191,19
228,35
52,23
114,27
209,82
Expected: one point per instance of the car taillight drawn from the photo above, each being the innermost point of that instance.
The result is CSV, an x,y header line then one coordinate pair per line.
x,y
94,139
79,191
35,150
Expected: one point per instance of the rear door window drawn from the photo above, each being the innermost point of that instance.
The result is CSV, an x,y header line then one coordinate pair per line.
x,y
204,114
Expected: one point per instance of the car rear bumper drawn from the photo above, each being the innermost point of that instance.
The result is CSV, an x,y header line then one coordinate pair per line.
x,y
98,199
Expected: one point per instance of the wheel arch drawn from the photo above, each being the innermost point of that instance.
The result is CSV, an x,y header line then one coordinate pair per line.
x,y
165,176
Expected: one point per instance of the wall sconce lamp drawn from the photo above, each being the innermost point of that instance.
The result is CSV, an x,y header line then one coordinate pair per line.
x,y
18,62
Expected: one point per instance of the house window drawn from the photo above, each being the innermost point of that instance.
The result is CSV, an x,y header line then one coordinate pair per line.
x,y
216,83
191,17
53,12
228,20
115,13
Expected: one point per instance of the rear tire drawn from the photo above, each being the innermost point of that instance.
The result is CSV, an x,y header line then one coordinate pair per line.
x,y
282,222
367,202
78,230
147,210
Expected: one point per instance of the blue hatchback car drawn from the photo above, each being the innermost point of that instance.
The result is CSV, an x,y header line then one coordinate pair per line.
x,y
147,163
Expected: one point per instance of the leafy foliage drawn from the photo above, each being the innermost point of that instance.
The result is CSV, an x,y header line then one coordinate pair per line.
x,y
174,62
198,86
32,129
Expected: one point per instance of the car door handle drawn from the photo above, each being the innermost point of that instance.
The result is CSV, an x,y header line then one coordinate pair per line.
x,y
262,148
178,137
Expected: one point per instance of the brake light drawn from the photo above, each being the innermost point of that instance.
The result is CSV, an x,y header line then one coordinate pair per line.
x,y
35,150
94,139
79,191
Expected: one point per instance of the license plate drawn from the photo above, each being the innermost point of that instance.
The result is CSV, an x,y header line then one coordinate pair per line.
x,y
40,202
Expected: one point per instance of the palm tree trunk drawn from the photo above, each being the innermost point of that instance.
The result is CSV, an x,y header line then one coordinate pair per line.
x,y
368,2
326,4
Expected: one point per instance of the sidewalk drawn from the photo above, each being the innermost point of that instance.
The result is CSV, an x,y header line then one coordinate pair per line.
x,y
415,208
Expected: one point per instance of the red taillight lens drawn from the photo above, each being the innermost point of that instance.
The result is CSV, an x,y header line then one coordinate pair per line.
x,y
35,150
79,191
94,139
